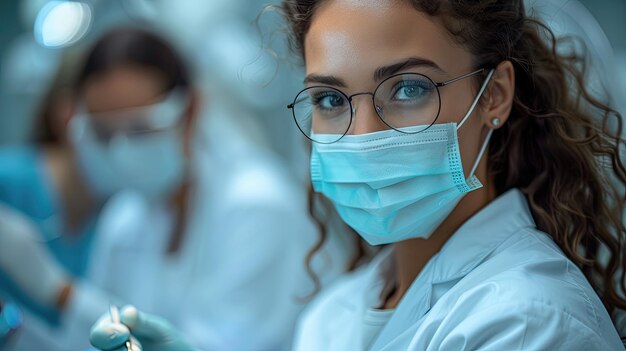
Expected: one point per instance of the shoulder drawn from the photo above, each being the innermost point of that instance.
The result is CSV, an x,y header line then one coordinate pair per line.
x,y
531,266
521,325
529,286
262,180
247,179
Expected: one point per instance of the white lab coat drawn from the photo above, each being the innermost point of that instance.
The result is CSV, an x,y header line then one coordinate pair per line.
x,y
237,281
497,284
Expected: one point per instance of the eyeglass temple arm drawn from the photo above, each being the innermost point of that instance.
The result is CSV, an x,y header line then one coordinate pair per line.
x,y
443,84
291,105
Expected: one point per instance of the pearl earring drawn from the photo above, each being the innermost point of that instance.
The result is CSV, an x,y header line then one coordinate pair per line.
x,y
495,122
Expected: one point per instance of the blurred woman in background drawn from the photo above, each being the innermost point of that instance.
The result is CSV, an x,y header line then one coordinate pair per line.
x,y
209,235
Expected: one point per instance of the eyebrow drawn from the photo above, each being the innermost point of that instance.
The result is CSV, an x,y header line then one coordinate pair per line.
x,y
326,80
380,74
386,71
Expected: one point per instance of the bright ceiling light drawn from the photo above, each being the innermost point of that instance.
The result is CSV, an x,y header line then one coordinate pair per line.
x,y
62,23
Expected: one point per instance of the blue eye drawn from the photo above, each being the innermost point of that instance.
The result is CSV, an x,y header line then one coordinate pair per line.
x,y
411,91
328,100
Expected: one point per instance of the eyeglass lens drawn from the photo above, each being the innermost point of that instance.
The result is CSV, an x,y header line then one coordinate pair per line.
x,y
403,100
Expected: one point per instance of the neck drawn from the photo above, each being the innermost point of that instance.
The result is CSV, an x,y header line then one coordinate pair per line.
x,y
411,256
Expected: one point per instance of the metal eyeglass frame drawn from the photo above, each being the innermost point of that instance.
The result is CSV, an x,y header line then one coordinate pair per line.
x,y
377,108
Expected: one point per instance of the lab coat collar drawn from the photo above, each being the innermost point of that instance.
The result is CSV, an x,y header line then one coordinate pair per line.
x,y
464,251
480,235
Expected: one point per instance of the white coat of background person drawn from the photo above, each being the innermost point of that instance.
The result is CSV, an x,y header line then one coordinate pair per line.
x,y
239,267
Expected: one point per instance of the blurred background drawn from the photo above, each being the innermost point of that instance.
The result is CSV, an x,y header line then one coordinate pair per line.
x,y
244,86
240,70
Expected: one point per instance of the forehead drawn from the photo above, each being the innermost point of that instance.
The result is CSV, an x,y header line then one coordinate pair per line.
x,y
123,87
355,37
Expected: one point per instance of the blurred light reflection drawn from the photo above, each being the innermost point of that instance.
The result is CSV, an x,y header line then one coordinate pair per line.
x,y
62,23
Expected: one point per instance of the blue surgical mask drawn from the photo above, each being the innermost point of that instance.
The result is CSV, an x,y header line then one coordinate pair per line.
x,y
151,162
391,186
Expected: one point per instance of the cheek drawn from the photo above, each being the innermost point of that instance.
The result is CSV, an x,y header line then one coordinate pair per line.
x,y
456,100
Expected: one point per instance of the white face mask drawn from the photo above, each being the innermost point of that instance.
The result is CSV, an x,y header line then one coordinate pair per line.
x,y
150,160
392,186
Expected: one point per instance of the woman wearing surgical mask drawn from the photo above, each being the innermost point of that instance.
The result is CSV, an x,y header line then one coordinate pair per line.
x,y
211,236
454,133
120,123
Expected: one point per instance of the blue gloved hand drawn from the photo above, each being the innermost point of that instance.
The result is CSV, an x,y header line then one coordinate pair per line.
x,y
153,333
10,321
28,262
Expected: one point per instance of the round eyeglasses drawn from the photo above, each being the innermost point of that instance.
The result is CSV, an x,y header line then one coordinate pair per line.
x,y
402,100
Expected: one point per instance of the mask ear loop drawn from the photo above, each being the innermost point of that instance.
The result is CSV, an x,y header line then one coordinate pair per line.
x,y
480,93
496,123
481,152
483,148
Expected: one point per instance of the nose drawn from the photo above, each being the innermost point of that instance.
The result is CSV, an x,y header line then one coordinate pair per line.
x,y
365,120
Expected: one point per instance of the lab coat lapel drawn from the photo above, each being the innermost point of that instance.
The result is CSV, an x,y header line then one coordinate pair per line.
x,y
463,252
414,305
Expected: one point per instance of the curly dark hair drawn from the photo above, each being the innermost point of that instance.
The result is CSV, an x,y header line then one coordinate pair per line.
x,y
561,146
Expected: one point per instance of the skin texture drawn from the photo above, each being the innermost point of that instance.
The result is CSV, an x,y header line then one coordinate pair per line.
x,y
123,87
349,40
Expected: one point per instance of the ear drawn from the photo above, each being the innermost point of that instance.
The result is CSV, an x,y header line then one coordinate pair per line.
x,y
499,95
